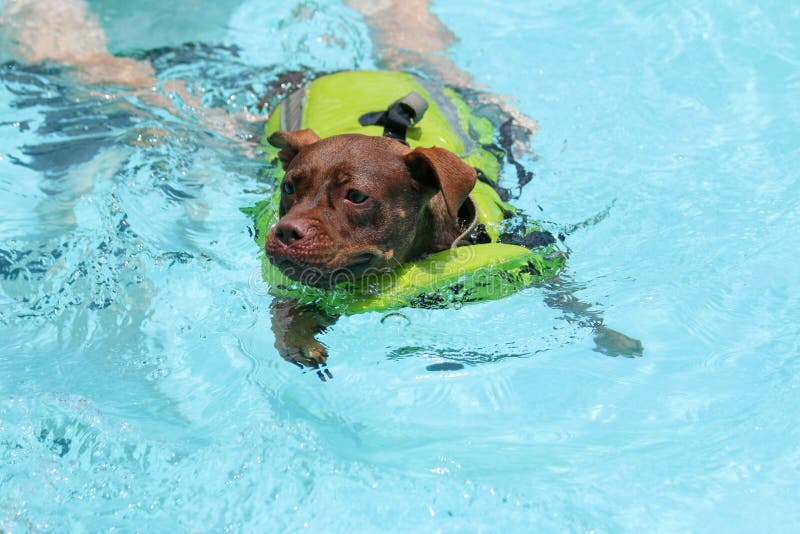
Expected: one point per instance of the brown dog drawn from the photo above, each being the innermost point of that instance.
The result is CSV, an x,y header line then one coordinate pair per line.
x,y
350,204
353,204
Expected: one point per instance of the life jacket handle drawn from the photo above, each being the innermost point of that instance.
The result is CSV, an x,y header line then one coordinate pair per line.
x,y
398,117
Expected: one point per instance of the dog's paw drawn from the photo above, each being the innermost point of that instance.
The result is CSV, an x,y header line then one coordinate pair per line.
x,y
613,343
295,328
309,354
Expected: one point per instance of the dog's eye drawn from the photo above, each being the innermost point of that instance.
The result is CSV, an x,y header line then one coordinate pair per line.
x,y
355,196
288,188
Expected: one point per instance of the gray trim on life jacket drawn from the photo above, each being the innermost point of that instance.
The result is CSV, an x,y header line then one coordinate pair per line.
x,y
292,110
449,111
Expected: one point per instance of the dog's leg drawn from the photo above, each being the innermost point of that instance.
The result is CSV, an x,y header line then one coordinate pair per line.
x,y
295,327
560,295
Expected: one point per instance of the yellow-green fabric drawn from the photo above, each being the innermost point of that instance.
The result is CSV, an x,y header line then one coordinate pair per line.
x,y
331,105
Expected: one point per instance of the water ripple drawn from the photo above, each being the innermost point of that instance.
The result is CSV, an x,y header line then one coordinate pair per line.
x,y
138,377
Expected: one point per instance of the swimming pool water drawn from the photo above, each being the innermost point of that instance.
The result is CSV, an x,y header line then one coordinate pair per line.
x,y
139,389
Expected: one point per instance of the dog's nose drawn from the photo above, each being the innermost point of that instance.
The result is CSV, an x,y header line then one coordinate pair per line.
x,y
288,232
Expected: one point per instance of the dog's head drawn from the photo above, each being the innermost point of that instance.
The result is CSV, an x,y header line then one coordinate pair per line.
x,y
355,204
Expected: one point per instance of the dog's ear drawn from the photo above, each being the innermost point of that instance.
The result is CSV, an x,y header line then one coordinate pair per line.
x,y
291,143
441,169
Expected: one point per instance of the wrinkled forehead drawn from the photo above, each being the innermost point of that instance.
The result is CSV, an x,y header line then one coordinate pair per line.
x,y
355,155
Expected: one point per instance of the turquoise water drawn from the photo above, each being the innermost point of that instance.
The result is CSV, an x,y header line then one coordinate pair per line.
x,y
139,386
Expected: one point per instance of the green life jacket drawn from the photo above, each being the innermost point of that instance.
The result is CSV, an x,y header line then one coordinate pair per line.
x,y
331,105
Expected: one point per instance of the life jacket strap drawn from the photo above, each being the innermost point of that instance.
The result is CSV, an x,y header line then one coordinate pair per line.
x,y
398,117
